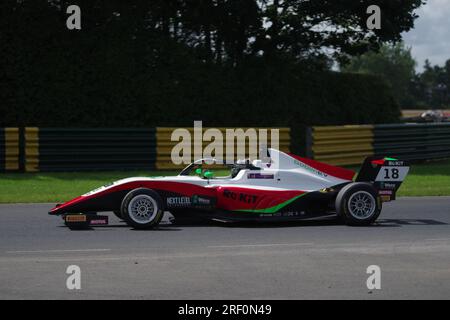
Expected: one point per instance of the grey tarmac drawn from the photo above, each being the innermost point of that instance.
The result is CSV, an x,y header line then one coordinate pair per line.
x,y
307,260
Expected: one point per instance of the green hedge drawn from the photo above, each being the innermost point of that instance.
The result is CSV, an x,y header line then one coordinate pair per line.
x,y
105,78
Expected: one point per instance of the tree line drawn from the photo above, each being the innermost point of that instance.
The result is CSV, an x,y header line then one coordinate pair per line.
x,y
228,31
169,62
428,88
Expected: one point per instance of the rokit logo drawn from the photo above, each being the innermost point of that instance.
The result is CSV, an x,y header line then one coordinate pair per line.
x,y
243,197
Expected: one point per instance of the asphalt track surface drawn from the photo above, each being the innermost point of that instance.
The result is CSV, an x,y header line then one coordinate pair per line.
x,y
308,260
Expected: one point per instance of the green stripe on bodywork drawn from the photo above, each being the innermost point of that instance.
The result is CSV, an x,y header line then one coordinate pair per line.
x,y
274,208
390,159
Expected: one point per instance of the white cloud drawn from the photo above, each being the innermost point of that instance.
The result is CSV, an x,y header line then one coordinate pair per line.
x,y
430,38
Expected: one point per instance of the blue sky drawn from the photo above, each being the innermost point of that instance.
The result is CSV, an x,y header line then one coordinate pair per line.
x,y
431,36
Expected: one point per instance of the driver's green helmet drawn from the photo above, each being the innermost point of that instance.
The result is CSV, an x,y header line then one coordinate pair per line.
x,y
208,174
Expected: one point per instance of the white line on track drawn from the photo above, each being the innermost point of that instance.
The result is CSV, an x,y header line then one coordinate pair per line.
x,y
440,239
58,251
261,245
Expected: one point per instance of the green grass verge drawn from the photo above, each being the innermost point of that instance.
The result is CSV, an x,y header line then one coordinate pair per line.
x,y
58,187
428,179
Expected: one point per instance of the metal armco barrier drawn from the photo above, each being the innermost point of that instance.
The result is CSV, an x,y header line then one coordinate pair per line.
x,y
413,141
349,145
340,145
34,149
31,149
165,144
9,149
66,149
60,149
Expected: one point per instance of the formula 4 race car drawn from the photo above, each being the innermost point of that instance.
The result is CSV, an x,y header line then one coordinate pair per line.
x,y
277,187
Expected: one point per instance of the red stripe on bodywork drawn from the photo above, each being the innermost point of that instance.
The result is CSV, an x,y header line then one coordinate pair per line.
x,y
338,172
238,198
185,189
380,162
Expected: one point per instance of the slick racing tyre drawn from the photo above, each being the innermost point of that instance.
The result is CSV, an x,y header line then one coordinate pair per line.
x,y
357,204
142,208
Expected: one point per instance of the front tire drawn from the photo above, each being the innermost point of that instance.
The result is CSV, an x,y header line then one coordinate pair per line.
x,y
357,204
142,208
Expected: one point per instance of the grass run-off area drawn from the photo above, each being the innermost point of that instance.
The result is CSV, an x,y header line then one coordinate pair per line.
x,y
425,179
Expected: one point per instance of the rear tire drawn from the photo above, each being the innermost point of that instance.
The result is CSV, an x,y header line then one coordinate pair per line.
x,y
142,208
357,204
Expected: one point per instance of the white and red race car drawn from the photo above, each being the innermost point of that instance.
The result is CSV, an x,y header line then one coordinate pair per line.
x,y
278,187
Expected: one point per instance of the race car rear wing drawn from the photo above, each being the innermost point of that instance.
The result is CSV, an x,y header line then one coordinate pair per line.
x,y
386,174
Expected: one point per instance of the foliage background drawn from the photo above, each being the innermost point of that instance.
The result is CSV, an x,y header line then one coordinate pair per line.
x,y
168,63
